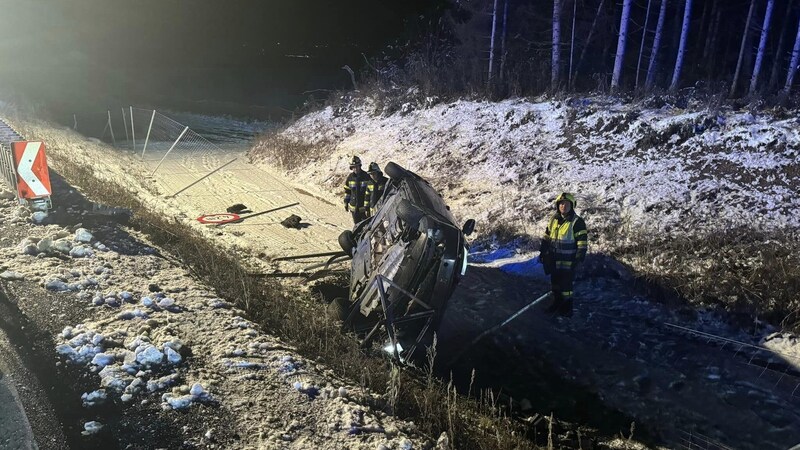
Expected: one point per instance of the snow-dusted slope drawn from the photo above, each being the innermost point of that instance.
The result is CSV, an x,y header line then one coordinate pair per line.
x,y
654,169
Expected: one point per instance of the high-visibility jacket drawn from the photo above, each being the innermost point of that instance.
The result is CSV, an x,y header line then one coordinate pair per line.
x,y
355,190
374,192
566,237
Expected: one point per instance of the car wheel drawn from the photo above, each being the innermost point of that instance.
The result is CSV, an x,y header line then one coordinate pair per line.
x,y
337,309
347,242
409,213
394,170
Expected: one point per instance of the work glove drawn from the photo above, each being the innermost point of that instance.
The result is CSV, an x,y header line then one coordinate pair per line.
x,y
544,246
347,207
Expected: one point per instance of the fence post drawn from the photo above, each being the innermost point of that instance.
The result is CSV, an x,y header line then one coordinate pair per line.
x,y
110,127
206,176
75,122
125,124
133,133
170,149
147,138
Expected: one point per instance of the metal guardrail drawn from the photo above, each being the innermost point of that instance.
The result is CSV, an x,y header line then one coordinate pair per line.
x,y
7,136
7,167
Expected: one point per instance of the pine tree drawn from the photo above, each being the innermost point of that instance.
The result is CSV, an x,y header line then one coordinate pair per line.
x,y
641,45
623,36
779,58
503,39
588,40
555,74
651,68
793,64
676,74
572,40
762,44
491,43
742,47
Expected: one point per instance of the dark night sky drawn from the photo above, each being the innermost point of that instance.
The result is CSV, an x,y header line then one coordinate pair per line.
x,y
86,53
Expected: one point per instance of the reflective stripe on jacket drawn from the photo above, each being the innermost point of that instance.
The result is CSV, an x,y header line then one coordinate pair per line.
x,y
355,188
374,192
567,238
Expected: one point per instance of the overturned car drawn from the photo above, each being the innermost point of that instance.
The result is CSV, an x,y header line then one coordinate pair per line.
x,y
406,262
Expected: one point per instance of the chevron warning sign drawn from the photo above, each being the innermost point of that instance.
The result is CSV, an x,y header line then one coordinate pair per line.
x,y
33,177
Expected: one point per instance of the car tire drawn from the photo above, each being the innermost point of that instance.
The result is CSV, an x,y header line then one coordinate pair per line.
x,y
409,213
347,242
337,309
394,170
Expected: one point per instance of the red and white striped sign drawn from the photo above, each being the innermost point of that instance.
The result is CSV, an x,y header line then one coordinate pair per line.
x,y
219,219
33,177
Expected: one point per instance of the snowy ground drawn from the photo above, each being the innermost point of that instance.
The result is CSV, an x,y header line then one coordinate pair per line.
x,y
156,341
661,171
618,350
645,169
630,354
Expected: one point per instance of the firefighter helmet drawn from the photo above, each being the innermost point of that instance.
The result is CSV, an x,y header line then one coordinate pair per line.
x,y
566,196
355,162
374,168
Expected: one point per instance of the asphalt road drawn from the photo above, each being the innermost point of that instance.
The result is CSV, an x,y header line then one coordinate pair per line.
x,y
27,417
15,430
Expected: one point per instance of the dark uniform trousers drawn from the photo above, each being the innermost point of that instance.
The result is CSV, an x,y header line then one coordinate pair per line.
x,y
355,189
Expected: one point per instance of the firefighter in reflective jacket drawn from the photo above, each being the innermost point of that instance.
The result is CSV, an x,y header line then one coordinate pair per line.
x,y
375,188
355,189
563,248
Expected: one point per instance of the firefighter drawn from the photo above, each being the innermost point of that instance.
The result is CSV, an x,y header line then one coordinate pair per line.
x,y
563,248
375,188
355,188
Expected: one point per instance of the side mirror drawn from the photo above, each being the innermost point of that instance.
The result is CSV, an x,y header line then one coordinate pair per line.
x,y
469,227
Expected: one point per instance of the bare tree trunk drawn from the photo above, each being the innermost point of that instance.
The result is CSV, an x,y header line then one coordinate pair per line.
x,y
793,63
742,47
623,36
778,58
503,40
491,43
651,68
712,32
641,46
703,28
676,33
588,40
676,74
709,55
572,40
556,63
762,44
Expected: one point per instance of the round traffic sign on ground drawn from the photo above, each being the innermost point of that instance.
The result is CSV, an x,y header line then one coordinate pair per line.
x,y
218,218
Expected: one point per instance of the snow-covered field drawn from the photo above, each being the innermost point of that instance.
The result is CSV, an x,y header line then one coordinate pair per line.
x,y
661,170
655,185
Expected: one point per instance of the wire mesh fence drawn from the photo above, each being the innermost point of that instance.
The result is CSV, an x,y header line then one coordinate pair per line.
x,y
765,363
211,177
165,145
692,440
